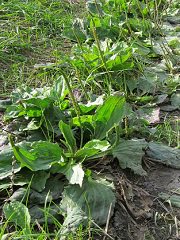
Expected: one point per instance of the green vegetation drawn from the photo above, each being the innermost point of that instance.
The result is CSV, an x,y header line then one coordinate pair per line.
x,y
90,85
31,33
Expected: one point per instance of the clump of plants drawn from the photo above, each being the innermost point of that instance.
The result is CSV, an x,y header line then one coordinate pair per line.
x,y
110,88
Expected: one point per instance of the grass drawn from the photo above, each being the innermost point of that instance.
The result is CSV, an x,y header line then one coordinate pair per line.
x,y
33,52
48,231
168,132
31,34
41,234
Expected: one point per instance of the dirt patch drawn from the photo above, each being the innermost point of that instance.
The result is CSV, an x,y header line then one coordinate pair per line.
x,y
162,179
140,214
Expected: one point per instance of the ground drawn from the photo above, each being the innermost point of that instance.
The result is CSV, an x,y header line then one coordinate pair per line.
x,y
37,48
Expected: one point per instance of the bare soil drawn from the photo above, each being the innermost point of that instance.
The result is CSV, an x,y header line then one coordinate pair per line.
x,y
140,214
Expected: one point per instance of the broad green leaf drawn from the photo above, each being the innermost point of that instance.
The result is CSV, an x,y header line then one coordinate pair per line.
x,y
33,125
6,163
85,108
151,115
68,135
140,48
4,103
13,111
23,156
39,155
142,99
94,7
173,199
92,201
5,184
91,149
129,154
106,27
75,216
17,213
137,26
164,154
37,214
85,119
30,102
116,62
39,180
36,179
24,177
108,115
161,98
59,90
52,116
33,112
20,179
46,154
24,93
73,172
19,195
96,22
175,100
34,136
53,191
153,77
40,102
148,82
78,31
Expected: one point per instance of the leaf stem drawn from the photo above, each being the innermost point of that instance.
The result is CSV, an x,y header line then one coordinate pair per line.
x,y
75,104
101,55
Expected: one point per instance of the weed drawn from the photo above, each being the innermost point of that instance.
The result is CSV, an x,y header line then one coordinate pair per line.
x,y
117,49
168,132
